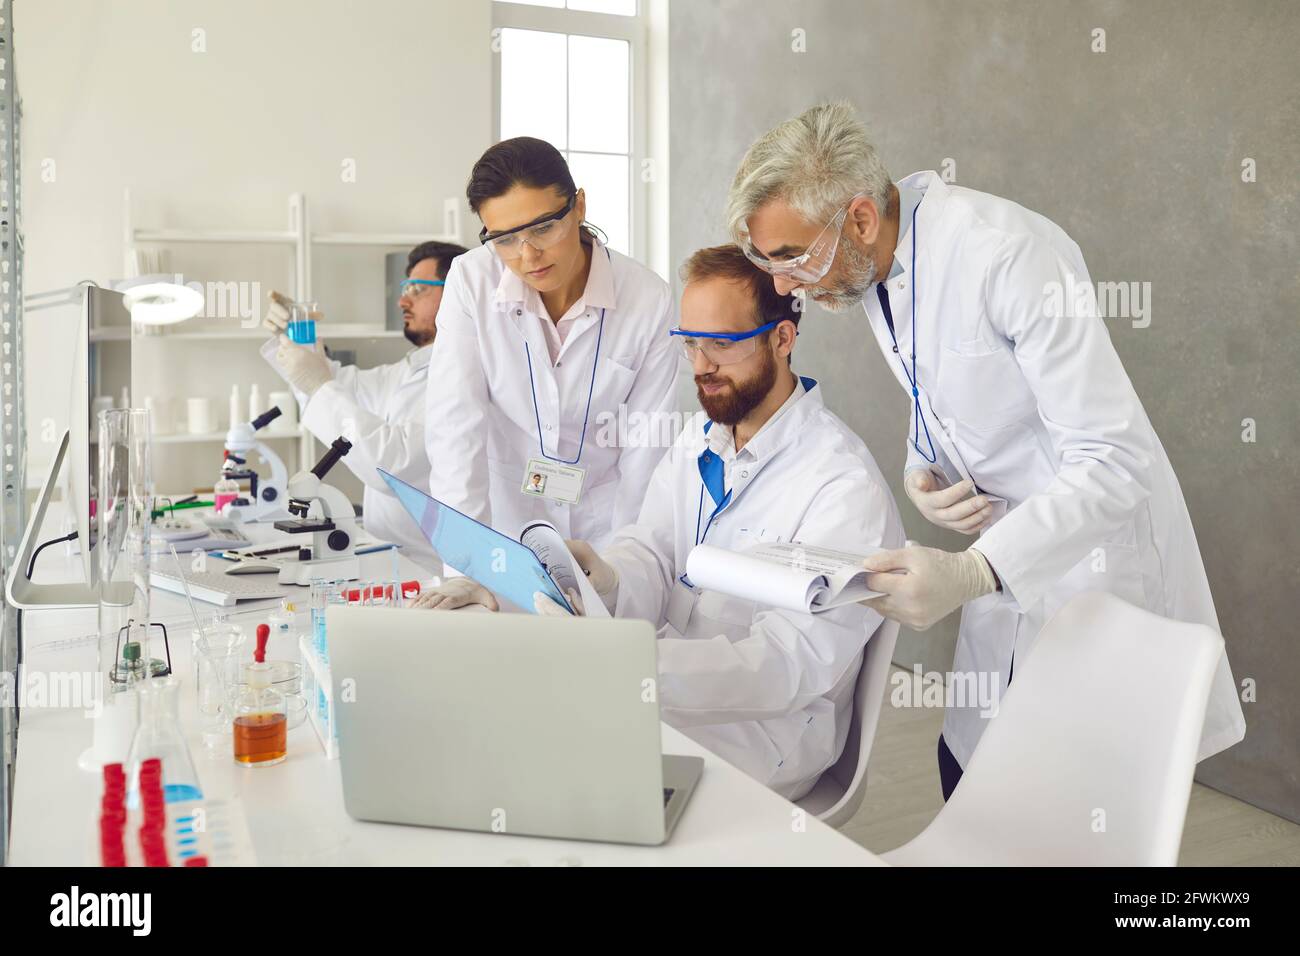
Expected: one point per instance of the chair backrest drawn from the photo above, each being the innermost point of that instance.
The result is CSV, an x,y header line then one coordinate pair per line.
x,y
1089,760
850,771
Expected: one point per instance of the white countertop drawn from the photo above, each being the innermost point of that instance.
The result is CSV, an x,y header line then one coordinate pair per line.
x,y
294,811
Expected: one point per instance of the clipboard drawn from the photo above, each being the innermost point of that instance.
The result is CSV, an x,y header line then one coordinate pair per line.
x,y
500,563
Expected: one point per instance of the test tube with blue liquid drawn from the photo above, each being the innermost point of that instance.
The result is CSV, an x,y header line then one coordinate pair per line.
x,y
318,603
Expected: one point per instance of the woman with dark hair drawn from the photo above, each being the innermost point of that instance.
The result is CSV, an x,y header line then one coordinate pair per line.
x,y
548,345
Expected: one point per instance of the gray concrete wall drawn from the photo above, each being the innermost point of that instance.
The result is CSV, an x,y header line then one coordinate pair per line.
x,y
1137,152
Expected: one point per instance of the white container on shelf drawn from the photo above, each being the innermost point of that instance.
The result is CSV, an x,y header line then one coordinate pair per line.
x,y
200,419
288,420
160,415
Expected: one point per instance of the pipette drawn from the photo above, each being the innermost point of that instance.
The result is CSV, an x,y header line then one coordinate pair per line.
x,y
199,636
84,640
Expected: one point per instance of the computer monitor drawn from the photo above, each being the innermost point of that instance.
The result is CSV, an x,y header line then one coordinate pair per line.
x,y
101,366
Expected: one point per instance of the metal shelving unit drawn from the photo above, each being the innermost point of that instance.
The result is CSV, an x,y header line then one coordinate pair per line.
x,y
13,428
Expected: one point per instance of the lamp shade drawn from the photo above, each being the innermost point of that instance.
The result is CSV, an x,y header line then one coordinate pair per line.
x,y
163,303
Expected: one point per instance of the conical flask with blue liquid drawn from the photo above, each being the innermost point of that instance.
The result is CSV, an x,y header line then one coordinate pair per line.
x,y
159,735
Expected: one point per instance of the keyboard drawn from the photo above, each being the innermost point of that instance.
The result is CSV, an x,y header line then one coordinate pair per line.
x,y
225,590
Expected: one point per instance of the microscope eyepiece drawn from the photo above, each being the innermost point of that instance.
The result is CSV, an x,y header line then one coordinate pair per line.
x,y
337,450
264,419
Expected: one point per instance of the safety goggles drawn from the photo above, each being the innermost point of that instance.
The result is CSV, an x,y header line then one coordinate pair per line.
x,y
816,260
721,348
414,288
540,233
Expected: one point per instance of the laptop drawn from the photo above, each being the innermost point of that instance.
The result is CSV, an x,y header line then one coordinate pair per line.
x,y
505,723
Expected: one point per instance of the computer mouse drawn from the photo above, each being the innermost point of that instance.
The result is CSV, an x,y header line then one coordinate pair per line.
x,y
254,567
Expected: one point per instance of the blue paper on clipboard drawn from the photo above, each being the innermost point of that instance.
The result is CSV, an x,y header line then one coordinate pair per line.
x,y
499,563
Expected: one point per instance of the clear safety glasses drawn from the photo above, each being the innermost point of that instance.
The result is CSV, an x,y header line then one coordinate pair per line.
x,y
540,233
816,260
721,348
414,288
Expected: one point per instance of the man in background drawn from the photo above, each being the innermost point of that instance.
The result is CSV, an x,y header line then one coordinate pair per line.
x,y
379,410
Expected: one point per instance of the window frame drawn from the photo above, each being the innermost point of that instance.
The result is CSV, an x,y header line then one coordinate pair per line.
x,y
612,26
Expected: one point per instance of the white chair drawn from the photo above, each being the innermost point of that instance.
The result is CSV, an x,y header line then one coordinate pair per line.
x,y
839,792
1089,760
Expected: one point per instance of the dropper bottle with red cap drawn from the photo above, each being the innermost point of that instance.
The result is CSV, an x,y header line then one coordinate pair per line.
x,y
261,721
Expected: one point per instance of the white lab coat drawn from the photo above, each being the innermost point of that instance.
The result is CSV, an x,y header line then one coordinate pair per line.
x,y
1039,411
770,691
482,427
380,411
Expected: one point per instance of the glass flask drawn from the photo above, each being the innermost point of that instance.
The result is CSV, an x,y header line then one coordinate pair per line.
x,y
159,735
224,492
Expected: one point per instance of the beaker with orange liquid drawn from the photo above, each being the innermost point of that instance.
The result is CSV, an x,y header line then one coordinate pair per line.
x,y
261,721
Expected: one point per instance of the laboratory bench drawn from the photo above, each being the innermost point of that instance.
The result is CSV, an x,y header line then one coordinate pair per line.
x,y
293,813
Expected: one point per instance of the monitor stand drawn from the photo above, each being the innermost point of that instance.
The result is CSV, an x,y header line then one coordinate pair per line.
x,y
21,592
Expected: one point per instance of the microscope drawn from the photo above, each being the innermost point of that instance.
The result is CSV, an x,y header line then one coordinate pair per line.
x,y
266,498
326,514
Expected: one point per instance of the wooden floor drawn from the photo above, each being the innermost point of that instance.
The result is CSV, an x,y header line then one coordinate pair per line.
x,y
903,796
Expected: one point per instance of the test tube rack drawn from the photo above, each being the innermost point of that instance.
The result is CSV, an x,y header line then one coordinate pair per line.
x,y
318,691
191,833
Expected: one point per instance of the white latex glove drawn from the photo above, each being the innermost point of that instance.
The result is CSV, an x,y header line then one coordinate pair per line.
x,y
934,583
954,507
276,318
305,368
601,574
458,592
546,606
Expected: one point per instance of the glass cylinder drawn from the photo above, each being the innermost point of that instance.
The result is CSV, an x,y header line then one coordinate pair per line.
x,y
123,507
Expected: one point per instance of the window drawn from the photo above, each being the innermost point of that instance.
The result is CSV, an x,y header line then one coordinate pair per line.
x,y
571,75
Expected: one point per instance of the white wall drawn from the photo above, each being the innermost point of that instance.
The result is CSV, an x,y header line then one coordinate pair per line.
x,y
120,95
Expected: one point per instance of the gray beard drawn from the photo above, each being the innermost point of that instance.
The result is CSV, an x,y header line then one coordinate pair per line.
x,y
860,273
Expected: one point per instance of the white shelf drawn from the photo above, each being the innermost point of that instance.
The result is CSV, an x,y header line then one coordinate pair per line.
x,y
409,240
185,438
358,331
329,332
304,243
205,235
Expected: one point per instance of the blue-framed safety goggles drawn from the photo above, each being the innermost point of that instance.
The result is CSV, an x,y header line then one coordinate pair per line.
x,y
722,348
414,288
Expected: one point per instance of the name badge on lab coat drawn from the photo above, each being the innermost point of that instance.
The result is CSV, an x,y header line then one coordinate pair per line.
x,y
548,479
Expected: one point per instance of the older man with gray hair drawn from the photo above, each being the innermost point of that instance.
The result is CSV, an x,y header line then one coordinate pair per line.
x,y
1025,428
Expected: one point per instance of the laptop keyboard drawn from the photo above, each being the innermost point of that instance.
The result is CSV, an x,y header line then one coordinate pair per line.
x,y
668,795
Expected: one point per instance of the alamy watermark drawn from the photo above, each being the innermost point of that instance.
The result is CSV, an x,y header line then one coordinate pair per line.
x,y
67,690
961,689
1106,300
228,300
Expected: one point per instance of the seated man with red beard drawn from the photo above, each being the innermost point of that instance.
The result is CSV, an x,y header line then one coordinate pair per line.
x,y
770,691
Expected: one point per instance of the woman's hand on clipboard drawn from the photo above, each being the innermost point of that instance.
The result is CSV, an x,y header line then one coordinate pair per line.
x,y
458,592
